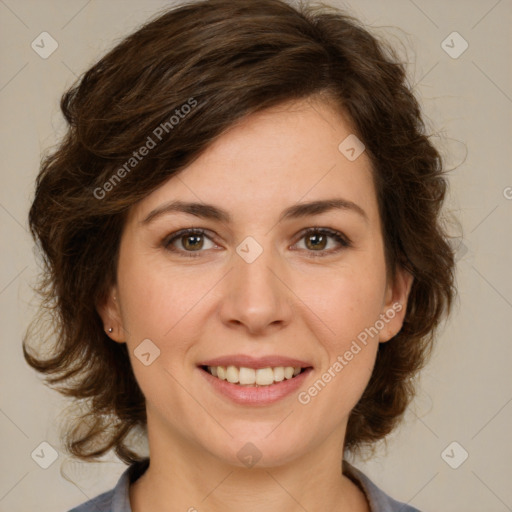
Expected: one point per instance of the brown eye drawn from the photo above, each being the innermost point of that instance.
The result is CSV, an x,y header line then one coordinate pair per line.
x,y
188,241
192,242
317,240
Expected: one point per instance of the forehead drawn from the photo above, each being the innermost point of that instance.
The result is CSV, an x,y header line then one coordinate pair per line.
x,y
272,159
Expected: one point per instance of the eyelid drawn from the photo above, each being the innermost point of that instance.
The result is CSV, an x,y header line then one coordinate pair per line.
x,y
340,238
176,235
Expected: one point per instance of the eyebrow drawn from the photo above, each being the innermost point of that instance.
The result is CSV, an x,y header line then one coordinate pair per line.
x,y
209,211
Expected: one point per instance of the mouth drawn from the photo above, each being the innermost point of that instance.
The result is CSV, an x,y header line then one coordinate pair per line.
x,y
254,377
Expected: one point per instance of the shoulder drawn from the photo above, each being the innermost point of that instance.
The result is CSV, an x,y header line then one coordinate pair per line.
x,y
102,503
379,501
118,498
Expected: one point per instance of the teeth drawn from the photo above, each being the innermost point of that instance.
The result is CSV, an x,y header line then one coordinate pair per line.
x,y
264,376
251,377
279,373
288,372
232,374
247,376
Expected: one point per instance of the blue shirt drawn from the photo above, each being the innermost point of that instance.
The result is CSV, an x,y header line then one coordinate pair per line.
x,y
118,500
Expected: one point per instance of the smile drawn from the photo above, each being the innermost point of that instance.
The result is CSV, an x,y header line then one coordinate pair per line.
x,y
255,377
241,384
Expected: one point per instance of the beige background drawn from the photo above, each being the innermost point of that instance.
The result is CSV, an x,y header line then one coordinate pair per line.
x,y
466,391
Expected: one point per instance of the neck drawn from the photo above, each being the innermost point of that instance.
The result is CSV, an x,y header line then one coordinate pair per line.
x,y
183,476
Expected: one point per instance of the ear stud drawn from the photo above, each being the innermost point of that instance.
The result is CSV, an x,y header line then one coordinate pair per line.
x,y
110,329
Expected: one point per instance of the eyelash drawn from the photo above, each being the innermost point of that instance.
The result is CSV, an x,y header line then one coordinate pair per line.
x,y
339,237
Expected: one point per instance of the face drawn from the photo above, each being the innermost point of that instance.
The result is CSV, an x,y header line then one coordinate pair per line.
x,y
262,280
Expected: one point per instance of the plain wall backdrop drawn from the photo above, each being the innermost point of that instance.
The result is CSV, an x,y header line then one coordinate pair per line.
x,y
464,404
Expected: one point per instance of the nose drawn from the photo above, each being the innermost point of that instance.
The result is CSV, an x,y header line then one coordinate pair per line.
x,y
256,297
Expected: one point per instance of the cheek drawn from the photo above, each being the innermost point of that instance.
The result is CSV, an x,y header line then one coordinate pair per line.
x,y
156,299
159,305
345,301
348,309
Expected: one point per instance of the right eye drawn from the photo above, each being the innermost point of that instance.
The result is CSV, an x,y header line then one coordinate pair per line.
x,y
191,241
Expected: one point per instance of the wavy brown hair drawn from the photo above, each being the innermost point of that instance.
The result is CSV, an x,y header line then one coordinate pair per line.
x,y
232,58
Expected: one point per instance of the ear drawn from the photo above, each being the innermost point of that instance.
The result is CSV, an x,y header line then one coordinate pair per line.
x,y
110,313
395,304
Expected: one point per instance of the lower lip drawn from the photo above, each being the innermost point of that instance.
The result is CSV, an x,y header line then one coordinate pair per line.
x,y
252,395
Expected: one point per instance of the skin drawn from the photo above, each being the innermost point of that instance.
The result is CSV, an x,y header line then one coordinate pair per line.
x,y
287,302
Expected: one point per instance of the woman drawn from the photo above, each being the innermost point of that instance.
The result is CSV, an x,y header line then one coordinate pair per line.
x,y
244,258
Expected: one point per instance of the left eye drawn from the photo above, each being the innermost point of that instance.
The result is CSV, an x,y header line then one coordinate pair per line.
x,y
316,241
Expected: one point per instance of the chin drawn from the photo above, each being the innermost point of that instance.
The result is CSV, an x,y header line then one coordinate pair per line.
x,y
259,452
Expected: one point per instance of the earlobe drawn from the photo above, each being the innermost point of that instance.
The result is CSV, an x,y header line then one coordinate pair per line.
x,y
395,304
110,314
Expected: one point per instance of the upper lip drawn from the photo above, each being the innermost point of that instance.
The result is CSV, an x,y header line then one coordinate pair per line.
x,y
247,361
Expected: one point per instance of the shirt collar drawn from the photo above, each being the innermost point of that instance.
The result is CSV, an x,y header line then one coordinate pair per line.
x,y
378,500
121,497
